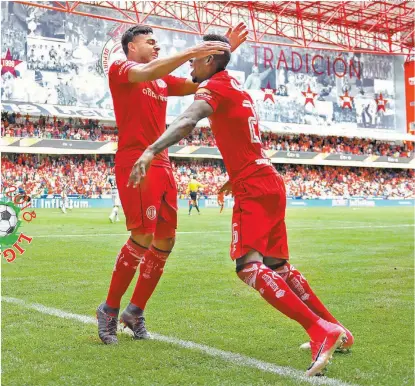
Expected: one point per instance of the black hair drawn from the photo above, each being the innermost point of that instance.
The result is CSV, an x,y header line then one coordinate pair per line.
x,y
135,30
221,60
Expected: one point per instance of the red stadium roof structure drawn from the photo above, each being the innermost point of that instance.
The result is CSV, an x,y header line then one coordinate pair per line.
x,y
382,27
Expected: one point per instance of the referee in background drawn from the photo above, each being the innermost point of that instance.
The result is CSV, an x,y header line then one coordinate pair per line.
x,y
192,189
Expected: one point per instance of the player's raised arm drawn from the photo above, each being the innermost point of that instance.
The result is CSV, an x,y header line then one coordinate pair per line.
x,y
178,130
237,36
158,68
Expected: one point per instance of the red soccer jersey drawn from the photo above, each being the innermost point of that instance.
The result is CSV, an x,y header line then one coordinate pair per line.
x,y
235,125
140,112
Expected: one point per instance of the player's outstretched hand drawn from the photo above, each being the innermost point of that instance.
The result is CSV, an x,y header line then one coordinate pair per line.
x,y
210,48
237,35
140,169
226,188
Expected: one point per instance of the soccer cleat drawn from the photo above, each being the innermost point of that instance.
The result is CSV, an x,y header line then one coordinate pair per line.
x,y
322,352
111,219
107,326
345,346
136,323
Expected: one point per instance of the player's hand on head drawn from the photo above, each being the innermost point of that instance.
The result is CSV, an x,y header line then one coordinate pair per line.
x,y
226,188
237,35
210,48
140,168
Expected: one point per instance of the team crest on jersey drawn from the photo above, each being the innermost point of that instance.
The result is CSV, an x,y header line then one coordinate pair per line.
x,y
161,83
112,49
151,212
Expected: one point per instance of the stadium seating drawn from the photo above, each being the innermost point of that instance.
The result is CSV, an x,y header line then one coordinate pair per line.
x,y
15,125
76,129
89,177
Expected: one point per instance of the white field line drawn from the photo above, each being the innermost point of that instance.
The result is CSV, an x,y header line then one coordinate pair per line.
x,y
316,228
228,356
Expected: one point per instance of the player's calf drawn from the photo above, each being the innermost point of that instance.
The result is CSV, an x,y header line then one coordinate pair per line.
x,y
151,270
276,292
125,267
300,286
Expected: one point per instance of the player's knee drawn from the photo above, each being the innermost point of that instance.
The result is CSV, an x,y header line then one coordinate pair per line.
x,y
248,268
284,269
248,259
273,263
165,244
144,239
152,265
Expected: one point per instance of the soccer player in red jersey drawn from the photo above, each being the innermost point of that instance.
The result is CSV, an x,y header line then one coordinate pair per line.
x,y
221,200
140,86
259,238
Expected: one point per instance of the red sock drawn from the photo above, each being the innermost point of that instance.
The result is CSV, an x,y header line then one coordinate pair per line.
x,y
276,292
298,283
151,269
125,267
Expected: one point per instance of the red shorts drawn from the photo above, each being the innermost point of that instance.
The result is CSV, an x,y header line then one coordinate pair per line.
x,y
258,221
152,206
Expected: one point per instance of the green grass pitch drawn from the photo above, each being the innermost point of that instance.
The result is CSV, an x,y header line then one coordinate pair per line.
x,y
360,262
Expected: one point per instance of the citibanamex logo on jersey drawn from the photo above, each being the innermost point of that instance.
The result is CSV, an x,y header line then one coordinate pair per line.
x,y
15,210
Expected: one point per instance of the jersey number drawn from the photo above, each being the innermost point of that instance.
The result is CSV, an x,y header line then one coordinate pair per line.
x,y
253,123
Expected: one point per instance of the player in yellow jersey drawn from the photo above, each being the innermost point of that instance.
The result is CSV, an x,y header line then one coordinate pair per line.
x,y
192,189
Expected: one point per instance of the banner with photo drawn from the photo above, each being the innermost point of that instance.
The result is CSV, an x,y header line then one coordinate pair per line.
x,y
54,58
410,93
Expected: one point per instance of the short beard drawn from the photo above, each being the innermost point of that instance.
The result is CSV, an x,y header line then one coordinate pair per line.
x,y
194,80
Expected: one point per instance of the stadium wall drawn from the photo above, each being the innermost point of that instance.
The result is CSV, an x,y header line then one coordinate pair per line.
x,y
61,69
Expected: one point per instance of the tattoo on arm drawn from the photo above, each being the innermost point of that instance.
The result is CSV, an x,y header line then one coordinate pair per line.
x,y
182,126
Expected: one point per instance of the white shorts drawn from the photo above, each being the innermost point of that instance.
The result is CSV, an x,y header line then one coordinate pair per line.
x,y
116,200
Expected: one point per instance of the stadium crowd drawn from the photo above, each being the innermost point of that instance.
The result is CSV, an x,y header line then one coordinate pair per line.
x,y
339,145
16,125
90,176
